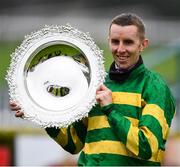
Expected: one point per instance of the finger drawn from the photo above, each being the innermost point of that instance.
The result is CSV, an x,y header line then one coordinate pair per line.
x,y
102,88
99,97
99,88
15,108
19,114
11,103
100,92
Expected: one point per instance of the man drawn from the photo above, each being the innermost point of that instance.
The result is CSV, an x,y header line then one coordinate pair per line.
x,y
131,122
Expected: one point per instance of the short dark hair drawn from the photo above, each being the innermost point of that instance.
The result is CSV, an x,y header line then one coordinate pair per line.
x,y
126,19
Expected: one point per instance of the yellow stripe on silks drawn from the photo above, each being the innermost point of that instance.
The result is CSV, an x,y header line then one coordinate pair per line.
x,y
109,147
134,121
97,122
160,156
132,142
133,135
153,142
133,99
113,147
156,112
62,137
77,142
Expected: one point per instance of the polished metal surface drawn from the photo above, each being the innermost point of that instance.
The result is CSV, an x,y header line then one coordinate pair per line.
x,y
54,75
58,76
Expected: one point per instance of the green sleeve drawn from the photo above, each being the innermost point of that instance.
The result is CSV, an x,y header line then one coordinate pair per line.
x,y
72,138
148,137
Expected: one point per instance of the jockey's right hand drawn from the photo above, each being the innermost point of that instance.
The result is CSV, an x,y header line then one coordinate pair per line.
x,y
16,108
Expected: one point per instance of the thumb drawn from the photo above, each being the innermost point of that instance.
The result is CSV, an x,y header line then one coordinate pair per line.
x,y
103,87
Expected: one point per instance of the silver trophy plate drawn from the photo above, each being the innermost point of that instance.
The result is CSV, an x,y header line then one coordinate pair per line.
x,y
54,74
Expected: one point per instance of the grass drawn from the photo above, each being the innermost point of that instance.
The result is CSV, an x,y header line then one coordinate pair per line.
x,y
168,70
6,48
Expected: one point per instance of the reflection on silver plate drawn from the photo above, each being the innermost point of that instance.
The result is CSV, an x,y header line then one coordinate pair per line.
x,y
54,74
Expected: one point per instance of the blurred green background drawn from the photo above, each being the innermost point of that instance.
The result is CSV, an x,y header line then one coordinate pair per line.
x,y
164,59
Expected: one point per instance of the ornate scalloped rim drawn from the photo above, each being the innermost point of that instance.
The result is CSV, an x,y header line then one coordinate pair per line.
x,y
29,40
